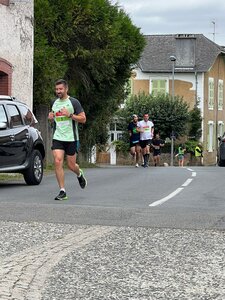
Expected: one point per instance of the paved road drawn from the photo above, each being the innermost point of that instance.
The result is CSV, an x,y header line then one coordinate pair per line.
x,y
127,249
121,196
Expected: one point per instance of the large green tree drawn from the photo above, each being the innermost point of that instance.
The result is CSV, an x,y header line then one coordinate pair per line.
x,y
92,44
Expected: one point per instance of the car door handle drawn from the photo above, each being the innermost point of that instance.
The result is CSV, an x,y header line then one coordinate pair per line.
x,y
12,137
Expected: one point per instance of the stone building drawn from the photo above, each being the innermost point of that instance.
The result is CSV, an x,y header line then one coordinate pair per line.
x,y
16,49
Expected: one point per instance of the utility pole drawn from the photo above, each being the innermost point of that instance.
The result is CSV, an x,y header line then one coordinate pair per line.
x,y
172,137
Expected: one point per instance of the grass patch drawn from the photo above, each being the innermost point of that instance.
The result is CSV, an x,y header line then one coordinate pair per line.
x,y
47,170
82,164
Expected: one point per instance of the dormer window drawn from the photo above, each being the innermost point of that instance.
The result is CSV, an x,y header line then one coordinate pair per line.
x,y
185,51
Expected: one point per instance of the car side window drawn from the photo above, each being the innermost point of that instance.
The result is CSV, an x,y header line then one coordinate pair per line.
x,y
3,117
27,115
16,119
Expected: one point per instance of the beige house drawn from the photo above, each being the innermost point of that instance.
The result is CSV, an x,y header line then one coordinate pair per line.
x,y
16,49
191,66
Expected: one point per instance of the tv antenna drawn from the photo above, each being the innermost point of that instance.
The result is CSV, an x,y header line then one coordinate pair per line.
x,y
214,30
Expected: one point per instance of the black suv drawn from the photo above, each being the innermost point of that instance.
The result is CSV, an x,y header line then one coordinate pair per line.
x,y
21,145
221,151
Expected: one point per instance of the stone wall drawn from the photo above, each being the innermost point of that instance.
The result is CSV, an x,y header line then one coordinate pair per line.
x,y
16,40
126,159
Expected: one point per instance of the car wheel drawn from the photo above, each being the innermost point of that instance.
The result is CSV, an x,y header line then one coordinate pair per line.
x,y
33,175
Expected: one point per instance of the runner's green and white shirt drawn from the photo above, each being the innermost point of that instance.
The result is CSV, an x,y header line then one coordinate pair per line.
x,y
65,129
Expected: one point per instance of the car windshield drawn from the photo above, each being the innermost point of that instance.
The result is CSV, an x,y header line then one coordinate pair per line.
x,y
3,118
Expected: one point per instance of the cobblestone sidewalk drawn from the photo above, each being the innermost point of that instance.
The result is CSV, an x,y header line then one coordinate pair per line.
x,y
40,261
22,275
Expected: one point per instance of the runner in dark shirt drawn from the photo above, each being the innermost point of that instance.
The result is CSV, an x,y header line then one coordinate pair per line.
x,y
134,140
157,143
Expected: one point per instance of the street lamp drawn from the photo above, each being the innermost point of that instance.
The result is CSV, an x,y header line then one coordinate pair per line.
x,y
173,59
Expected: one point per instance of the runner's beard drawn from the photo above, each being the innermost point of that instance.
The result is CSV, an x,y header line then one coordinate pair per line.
x,y
60,95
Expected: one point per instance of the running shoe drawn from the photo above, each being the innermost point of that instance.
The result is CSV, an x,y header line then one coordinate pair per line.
x,y
137,165
61,196
82,180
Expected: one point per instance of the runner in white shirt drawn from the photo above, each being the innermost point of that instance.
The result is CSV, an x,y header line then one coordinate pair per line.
x,y
146,129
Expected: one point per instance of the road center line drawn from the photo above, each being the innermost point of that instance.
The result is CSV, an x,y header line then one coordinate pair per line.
x,y
161,201
187,182
177,191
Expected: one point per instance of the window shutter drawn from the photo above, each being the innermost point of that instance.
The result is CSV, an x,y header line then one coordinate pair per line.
x,y
220,94
211,93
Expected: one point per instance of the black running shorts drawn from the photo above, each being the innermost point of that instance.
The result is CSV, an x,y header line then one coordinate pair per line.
x,y
70,148
144,143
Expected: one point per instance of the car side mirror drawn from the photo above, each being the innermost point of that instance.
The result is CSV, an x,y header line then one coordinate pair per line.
x,y
3,125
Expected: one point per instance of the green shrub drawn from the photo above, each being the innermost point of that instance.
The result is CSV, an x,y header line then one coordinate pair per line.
x,y
121,146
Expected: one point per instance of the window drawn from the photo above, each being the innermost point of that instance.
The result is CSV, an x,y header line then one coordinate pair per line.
x,y
159,86
185,50
119,135
15,115
210,136
112,137
220,128
3,117
116,131
211,93
28,117
220,94
5,77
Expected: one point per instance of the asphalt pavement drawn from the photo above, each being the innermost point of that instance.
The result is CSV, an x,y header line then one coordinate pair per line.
x,y
103,244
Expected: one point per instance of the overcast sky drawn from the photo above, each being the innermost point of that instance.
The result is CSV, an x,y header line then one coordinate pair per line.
x,y
178,16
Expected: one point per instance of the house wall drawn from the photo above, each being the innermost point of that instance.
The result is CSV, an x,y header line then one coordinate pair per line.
x,y
184,85
217,72
184,89
16,50
140,86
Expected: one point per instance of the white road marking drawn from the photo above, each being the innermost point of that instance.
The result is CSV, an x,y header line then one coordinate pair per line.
x,y
161,201
177,191
187,182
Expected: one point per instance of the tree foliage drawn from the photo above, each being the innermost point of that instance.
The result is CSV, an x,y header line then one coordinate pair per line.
x,y
195,123
168,114
49,62
92,44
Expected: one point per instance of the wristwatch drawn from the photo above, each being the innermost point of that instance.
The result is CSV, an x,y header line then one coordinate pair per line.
x,y
71,115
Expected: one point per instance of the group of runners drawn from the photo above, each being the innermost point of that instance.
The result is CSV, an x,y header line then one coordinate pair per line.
x,y
142,140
